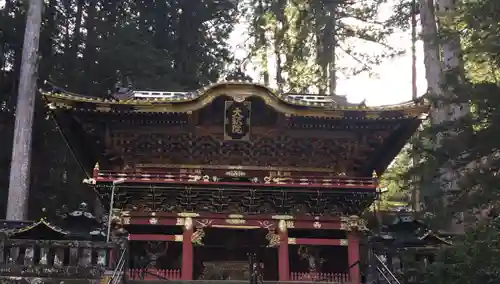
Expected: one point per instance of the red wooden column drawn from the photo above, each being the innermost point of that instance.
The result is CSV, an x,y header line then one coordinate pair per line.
x,y
283,265
187,250
353,256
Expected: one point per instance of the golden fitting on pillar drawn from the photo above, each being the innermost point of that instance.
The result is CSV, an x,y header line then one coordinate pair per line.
x,y
188,223
282,225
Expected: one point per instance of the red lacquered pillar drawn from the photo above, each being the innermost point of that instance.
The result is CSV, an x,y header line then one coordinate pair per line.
x,y
187,250
283,265
353,256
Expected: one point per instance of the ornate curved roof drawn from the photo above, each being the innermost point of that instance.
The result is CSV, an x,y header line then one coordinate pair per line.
x,y
12,232
174,102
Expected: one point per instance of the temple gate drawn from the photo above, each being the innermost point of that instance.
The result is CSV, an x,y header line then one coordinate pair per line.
x,y
273,182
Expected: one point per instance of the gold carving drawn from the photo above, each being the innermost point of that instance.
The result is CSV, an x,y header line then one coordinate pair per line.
x,y
153,221
372,115
343,242
239,98
179,222
282,217
235,216
126,220
237,121
197,237
204,223
317,225
265,224
178,238
188,214
236,221
279,174
292,241
235,173
273,239
290,224
103,108
354,223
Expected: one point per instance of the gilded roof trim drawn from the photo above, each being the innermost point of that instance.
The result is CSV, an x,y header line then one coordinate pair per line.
x,y
41,222
238,91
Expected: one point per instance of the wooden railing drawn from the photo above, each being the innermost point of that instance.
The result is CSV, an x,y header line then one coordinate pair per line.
x,y
320,277
176,177
154,274
66,259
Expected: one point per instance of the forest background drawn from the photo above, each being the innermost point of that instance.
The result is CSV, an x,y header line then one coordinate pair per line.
x,y
87,46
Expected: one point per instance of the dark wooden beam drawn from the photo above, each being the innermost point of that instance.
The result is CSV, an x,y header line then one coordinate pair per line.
x,y
391,148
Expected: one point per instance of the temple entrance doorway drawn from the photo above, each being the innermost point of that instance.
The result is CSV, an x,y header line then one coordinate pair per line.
x,y
229,254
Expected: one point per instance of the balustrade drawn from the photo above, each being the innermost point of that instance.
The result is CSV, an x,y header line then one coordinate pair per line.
x,y
328,181
67,258
154,274
320,277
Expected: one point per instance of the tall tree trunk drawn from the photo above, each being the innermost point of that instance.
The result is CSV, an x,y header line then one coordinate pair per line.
x,y
453,66
261,42
452,60
415,189
321,48
279,36
432,61
17,205
331,38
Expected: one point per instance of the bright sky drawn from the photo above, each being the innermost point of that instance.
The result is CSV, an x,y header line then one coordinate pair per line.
x,y
393,81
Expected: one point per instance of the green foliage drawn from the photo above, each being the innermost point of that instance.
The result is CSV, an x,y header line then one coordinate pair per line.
x,y
86,46
460,158
465,146
396,191
475,260
306,39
